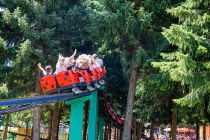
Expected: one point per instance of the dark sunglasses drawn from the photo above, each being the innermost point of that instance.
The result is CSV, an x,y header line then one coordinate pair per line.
x,y
48,69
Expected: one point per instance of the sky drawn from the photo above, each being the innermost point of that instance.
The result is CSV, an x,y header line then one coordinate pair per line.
x,y
1,9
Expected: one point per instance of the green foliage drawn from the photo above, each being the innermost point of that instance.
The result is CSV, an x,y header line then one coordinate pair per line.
x,y
116,27
2,43
36,25
23,117
117,22
188,64
36,31
2,49
116,78
154,98
126,33
3,90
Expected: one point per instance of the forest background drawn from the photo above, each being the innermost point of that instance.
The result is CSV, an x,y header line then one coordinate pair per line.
x,y
156,54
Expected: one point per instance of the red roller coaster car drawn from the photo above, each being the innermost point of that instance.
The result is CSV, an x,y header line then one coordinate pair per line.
x,y
69,79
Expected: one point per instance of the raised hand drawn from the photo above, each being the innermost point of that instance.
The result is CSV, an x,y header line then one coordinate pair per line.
x,y
39,65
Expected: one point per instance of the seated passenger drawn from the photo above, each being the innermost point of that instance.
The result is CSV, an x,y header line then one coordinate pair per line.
x,y
92,63
72,66
98,64
82,63
64,62
47,71
98,61
60,64
70,61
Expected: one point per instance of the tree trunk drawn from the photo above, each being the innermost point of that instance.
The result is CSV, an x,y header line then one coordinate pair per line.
x,y
55,122
50,125
6,127
106,132
174,125
204,131
37,111
59,120
139,132
27,127
36,123
206,106
135,130
85,121
130,102
197,130
110,132
152,131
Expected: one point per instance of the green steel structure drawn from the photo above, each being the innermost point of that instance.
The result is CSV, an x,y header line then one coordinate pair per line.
x,y
76,117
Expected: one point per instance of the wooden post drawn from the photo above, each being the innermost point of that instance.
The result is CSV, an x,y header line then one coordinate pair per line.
x,y
6,127
37,111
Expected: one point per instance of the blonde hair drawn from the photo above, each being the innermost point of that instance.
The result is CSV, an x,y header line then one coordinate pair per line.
x,y
61,58
83,61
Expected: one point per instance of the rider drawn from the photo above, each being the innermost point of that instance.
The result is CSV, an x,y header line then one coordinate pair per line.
x,y
47,71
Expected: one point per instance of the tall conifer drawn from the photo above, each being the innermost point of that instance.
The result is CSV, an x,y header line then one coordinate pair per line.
x,y
189,63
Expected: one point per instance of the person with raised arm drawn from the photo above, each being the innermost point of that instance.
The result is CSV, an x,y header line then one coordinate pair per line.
x,y
70,60
64,62
47,71
83,63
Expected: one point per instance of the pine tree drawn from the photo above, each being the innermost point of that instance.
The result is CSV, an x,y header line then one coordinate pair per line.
x,y
130,28
188,63
37,31
122,24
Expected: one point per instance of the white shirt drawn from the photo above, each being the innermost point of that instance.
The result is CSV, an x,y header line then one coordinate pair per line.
x,y
44,73
59,69
99,62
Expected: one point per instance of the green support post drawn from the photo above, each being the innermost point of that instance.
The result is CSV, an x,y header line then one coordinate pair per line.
x,y
76,121
76,118
13,137
101,128
93,117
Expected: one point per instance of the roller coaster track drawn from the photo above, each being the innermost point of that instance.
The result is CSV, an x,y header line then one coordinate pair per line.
x,y
20,104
